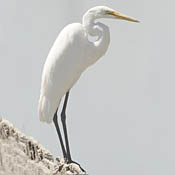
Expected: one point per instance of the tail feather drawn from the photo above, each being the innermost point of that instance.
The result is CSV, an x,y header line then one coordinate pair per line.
x,y
46,109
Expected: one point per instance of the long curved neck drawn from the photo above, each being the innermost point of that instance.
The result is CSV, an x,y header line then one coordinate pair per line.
x,y
88,23
97,29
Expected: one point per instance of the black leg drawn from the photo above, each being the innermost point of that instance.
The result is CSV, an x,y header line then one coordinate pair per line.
x,y
55,120
63,119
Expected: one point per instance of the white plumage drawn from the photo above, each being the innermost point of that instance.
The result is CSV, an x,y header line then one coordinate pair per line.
x,y
70,55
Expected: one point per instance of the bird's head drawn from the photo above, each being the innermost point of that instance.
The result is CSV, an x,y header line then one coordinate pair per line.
x,y
106,12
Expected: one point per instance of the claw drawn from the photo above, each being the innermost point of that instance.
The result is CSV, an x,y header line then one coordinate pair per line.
x,y
69,162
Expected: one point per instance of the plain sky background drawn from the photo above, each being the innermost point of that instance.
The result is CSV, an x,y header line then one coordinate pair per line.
x,y
121,113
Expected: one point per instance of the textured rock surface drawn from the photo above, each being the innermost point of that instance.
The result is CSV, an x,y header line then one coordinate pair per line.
x,y
21,155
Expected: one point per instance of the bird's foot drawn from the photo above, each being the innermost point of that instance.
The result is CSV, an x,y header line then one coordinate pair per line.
x,y
71,161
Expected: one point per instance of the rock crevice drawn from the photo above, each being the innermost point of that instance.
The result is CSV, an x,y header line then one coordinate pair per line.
x,y
22,155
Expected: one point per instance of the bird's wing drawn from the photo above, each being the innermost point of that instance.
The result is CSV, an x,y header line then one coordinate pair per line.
x,y
62,69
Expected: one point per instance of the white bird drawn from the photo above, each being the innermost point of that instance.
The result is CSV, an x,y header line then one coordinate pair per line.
x,y
70,55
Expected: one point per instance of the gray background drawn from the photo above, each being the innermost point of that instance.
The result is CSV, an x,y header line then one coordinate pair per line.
x,y
121,113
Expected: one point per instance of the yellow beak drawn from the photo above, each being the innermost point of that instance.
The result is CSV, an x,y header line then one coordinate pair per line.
x,y
121,16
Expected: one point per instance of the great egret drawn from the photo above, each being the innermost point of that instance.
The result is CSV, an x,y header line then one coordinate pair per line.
x,y
70,55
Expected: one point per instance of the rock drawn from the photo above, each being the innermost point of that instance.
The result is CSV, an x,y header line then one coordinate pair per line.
x,y
22,155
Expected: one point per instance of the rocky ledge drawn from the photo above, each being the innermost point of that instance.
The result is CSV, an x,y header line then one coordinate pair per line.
x,y
22,155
